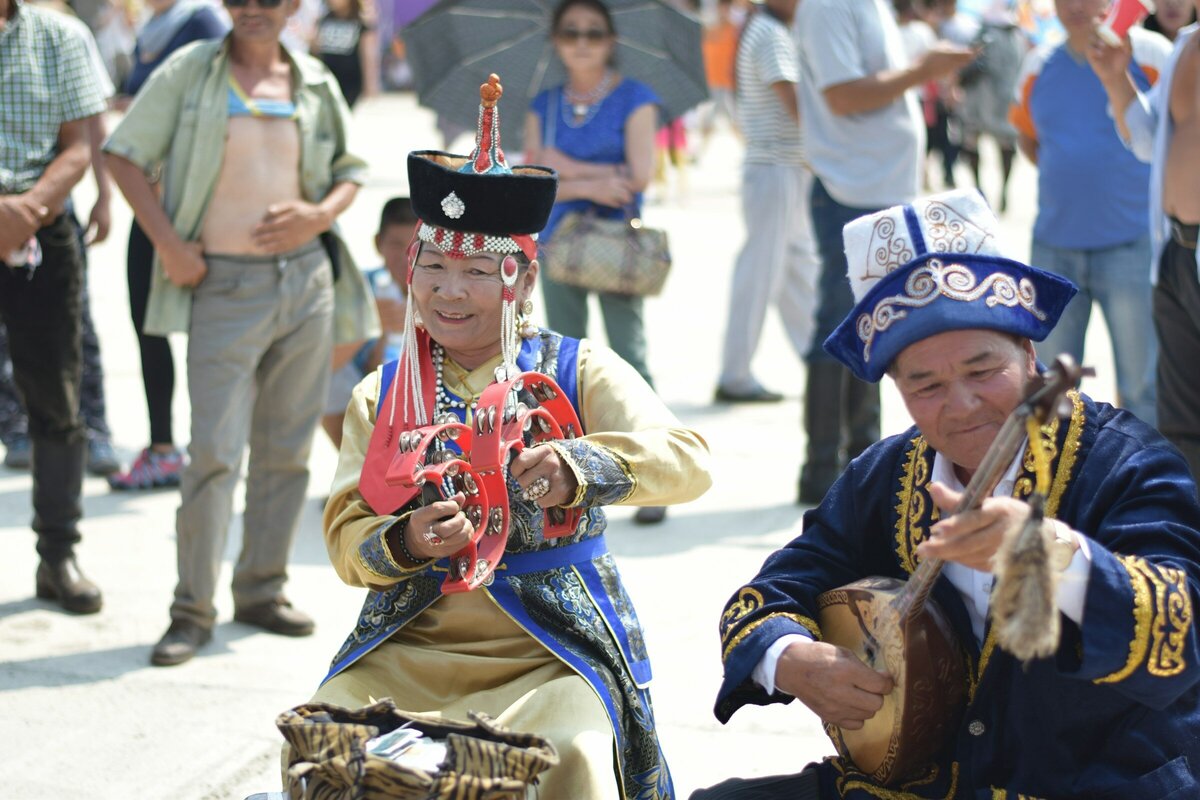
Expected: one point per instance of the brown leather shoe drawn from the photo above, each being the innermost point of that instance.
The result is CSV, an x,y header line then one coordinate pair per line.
x,y
276,616
650,515
179,643
64,583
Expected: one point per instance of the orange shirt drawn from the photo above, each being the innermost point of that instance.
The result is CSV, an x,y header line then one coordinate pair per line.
x,y
720,50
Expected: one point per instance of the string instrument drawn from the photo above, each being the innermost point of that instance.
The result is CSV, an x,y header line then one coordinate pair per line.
x,y
894,626
448,457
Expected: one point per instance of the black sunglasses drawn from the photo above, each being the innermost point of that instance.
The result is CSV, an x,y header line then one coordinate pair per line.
x,y
261,3
593,35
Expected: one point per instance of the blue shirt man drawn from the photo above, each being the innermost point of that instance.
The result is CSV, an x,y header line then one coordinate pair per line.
x,y
1092,199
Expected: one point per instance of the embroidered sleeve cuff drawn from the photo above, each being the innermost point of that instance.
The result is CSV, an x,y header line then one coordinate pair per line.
x,y
376,556
1138,628
604,477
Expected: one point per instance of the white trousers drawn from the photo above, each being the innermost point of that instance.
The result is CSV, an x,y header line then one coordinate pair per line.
x,y
778,265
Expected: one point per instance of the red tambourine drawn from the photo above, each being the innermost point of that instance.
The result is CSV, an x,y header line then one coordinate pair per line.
x,y
425,462
529,403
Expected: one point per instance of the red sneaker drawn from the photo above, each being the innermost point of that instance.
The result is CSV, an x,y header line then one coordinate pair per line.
x,y
150,470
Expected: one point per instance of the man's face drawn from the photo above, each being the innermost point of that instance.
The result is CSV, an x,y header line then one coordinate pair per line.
x,y
260,23
1078,17
960,386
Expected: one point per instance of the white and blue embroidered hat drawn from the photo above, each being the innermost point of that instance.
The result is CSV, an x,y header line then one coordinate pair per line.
x,y
932,266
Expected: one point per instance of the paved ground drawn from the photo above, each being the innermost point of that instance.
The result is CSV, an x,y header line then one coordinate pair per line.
x,y
83,714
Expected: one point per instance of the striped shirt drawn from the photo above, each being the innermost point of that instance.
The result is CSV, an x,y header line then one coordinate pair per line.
x,y
46,79
767,55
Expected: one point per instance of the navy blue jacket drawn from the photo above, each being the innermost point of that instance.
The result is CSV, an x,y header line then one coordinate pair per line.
x,y
1114,715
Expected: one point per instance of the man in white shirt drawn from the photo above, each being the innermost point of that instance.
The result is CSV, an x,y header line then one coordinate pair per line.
x,y
865,139
1114,710
778,263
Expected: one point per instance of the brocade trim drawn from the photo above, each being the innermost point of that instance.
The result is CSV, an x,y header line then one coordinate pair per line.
x,y
604,476
376,556
807,623
1162,615
1002,794
850,779
547,357
385,612
606,568
1066,458
748,601
559,603
985,656
1070,450
912,507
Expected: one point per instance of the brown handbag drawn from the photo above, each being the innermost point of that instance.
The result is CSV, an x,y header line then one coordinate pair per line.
x,y
617,255
328,757
608,255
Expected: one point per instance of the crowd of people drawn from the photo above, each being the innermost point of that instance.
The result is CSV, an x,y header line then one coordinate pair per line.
x,y
232,148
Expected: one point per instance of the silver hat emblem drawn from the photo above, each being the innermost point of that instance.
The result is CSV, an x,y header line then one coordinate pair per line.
x,y
453,206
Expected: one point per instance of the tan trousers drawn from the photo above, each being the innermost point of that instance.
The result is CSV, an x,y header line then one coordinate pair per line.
x,y
259,349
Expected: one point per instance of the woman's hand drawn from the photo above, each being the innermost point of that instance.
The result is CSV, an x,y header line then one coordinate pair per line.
x,y
439,529
557,160
544,477
614,191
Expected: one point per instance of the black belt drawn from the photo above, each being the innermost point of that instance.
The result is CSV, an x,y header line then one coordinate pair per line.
x,y
1183,234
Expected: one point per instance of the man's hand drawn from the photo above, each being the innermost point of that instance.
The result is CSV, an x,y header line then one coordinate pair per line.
x,y
287,226
1108,62
972,537
831,681
99,221
184,264
20,218
535,463
943,60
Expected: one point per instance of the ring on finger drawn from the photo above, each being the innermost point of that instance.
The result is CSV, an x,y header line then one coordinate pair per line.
x,y
537,489
430,537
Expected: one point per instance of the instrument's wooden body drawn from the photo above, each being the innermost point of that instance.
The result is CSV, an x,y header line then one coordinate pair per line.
x,y
922,655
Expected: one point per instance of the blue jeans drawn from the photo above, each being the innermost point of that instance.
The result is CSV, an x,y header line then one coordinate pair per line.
x,y
1118,278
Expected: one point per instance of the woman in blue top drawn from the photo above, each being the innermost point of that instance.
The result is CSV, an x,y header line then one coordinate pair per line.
x,y
174,24
597,130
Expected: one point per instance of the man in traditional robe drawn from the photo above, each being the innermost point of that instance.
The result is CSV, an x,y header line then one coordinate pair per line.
x,y
1114,711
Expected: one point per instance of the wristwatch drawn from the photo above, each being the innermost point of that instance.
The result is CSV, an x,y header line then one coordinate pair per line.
x,y
1063,547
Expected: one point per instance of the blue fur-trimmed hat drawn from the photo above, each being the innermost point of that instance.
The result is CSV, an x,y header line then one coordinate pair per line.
x,y
933,266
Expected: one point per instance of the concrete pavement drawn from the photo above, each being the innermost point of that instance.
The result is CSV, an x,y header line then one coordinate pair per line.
x,y
84,714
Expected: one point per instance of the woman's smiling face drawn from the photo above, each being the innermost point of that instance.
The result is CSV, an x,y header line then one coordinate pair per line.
x,y
459,301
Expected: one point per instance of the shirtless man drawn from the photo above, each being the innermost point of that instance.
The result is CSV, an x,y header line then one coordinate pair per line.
x,y
252,140
1163,128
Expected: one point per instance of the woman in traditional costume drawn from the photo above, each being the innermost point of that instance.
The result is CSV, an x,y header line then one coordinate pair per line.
x,y
543,638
